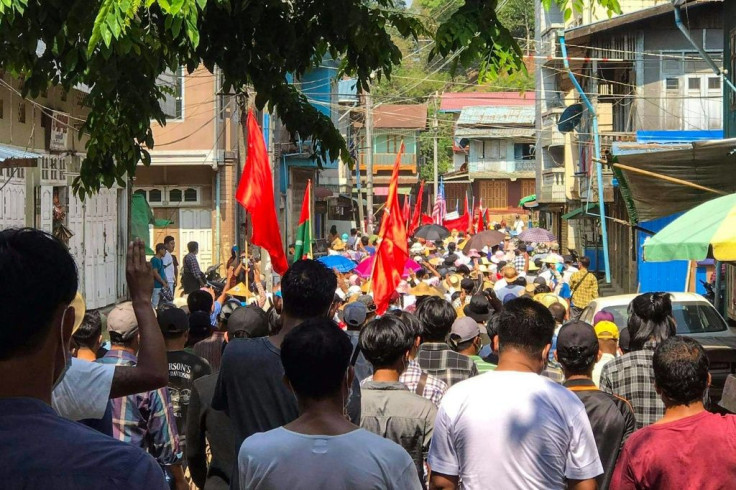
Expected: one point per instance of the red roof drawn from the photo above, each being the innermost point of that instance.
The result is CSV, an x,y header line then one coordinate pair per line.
x,y
400,116
454,102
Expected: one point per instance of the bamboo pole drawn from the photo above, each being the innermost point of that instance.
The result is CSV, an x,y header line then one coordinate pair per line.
x,y
669,179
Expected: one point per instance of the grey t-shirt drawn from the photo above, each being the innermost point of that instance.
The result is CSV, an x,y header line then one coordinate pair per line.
x,y
250,388
358,460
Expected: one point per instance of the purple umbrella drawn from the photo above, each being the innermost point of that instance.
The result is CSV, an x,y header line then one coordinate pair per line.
x,y
537,235
365,268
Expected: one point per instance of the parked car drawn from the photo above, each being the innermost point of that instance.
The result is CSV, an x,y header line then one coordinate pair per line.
x,y
695,317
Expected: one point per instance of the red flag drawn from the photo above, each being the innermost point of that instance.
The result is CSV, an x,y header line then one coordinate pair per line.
x,y
460,224
392,250
407,209
415,220
427,219
255,194
488,218
479,223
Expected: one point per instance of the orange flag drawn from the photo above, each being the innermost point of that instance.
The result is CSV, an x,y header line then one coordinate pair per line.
x,y
255,194
392,250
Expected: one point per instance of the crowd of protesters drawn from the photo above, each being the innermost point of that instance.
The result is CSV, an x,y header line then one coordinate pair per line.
x,y
479,376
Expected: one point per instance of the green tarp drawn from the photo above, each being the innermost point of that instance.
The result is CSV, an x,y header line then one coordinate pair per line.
x,y
590,210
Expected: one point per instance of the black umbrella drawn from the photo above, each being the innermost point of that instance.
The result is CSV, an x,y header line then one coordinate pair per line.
x,y
432,232
489,238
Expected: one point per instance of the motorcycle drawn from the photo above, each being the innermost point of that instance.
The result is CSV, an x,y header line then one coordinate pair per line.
x,y
214,280
710,291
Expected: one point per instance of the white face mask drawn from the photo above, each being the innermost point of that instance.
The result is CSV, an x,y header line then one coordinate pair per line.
x,y
67,354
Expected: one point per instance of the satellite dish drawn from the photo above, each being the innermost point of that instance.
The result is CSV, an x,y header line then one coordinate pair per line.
x,y
570,118
463,142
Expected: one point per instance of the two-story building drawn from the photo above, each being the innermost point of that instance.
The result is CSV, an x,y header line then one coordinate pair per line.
x,y
40,155
190,184
392,124
500,168
648,84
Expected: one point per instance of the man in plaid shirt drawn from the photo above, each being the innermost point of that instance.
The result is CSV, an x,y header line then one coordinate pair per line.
x,y
434,355
631,376
145,420
584,287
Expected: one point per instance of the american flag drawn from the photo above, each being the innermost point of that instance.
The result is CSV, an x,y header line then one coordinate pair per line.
x,y
440,206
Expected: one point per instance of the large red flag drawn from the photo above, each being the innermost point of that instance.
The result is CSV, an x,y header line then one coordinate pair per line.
x,y
392,250
415,220
479,222
255,194
427,219
459,224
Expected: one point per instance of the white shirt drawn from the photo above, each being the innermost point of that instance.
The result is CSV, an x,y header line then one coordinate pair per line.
x,y
605,359
518,226
357,460
168,262
500,284
84,390
506,429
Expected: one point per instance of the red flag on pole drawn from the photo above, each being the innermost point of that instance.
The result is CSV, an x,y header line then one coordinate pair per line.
x,y
392,250
479,223
255,194
407,209
415,220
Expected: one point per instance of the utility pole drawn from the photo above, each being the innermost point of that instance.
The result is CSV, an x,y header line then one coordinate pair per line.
x,y
360,195
435,129
369,161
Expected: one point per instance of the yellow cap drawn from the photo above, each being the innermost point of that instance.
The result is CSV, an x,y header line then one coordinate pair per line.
x,y
606,330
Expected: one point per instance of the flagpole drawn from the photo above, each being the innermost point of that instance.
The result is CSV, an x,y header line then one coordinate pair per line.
x,y
247,260
311,222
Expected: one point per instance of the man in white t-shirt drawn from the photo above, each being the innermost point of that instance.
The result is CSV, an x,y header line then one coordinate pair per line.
x,y
169,264
511,428
321,448
518,226
86,387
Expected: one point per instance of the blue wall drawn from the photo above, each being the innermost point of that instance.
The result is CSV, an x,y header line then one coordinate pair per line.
x,y
660,276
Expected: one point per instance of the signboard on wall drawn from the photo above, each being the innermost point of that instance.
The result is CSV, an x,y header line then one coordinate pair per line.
x,y
59,131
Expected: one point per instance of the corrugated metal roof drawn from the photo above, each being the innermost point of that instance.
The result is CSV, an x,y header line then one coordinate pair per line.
x,y
455,102
407,116
14,153
494,116
494,133
502,175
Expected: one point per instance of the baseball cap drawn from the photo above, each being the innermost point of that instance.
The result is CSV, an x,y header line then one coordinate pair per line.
x,y
606,330
601,316
577,338
367,300
464,329
173,320
354,314
121,322
247,321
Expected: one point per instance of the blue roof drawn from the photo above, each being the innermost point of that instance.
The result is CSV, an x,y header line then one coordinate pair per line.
x,y
11,152
497,115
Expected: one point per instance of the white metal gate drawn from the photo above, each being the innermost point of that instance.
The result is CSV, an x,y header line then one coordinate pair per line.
x,y
195,225
12,205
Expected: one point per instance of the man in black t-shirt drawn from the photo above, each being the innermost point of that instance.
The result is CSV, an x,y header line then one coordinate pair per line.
x,y
184,366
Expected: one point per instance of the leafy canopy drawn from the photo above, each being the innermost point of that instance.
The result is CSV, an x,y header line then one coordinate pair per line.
x,y
120,47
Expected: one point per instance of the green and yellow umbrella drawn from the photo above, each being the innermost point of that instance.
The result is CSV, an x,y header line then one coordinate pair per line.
x,y
706,231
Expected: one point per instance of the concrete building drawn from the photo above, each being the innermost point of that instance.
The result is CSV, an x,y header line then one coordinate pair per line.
x,y
40,155
191,182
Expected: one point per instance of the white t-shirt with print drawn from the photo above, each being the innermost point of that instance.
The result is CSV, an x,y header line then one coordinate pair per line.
x,y
507,429
358,460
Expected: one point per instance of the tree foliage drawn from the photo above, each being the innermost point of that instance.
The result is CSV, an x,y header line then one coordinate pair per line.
x,y
120,47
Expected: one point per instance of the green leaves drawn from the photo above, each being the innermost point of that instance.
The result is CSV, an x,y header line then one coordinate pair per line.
x,y
120,48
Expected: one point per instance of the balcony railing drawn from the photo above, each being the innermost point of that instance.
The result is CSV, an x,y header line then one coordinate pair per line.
x,y
552,187
586,187
385,161
506,166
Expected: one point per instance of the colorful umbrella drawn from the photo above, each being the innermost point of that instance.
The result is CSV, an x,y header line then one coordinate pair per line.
x,y
364,268
338,262
706,231
432,232
537,235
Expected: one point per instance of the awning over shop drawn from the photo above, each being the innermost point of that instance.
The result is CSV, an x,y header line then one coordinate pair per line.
x,y
526,199
705,164
589,210
11,156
